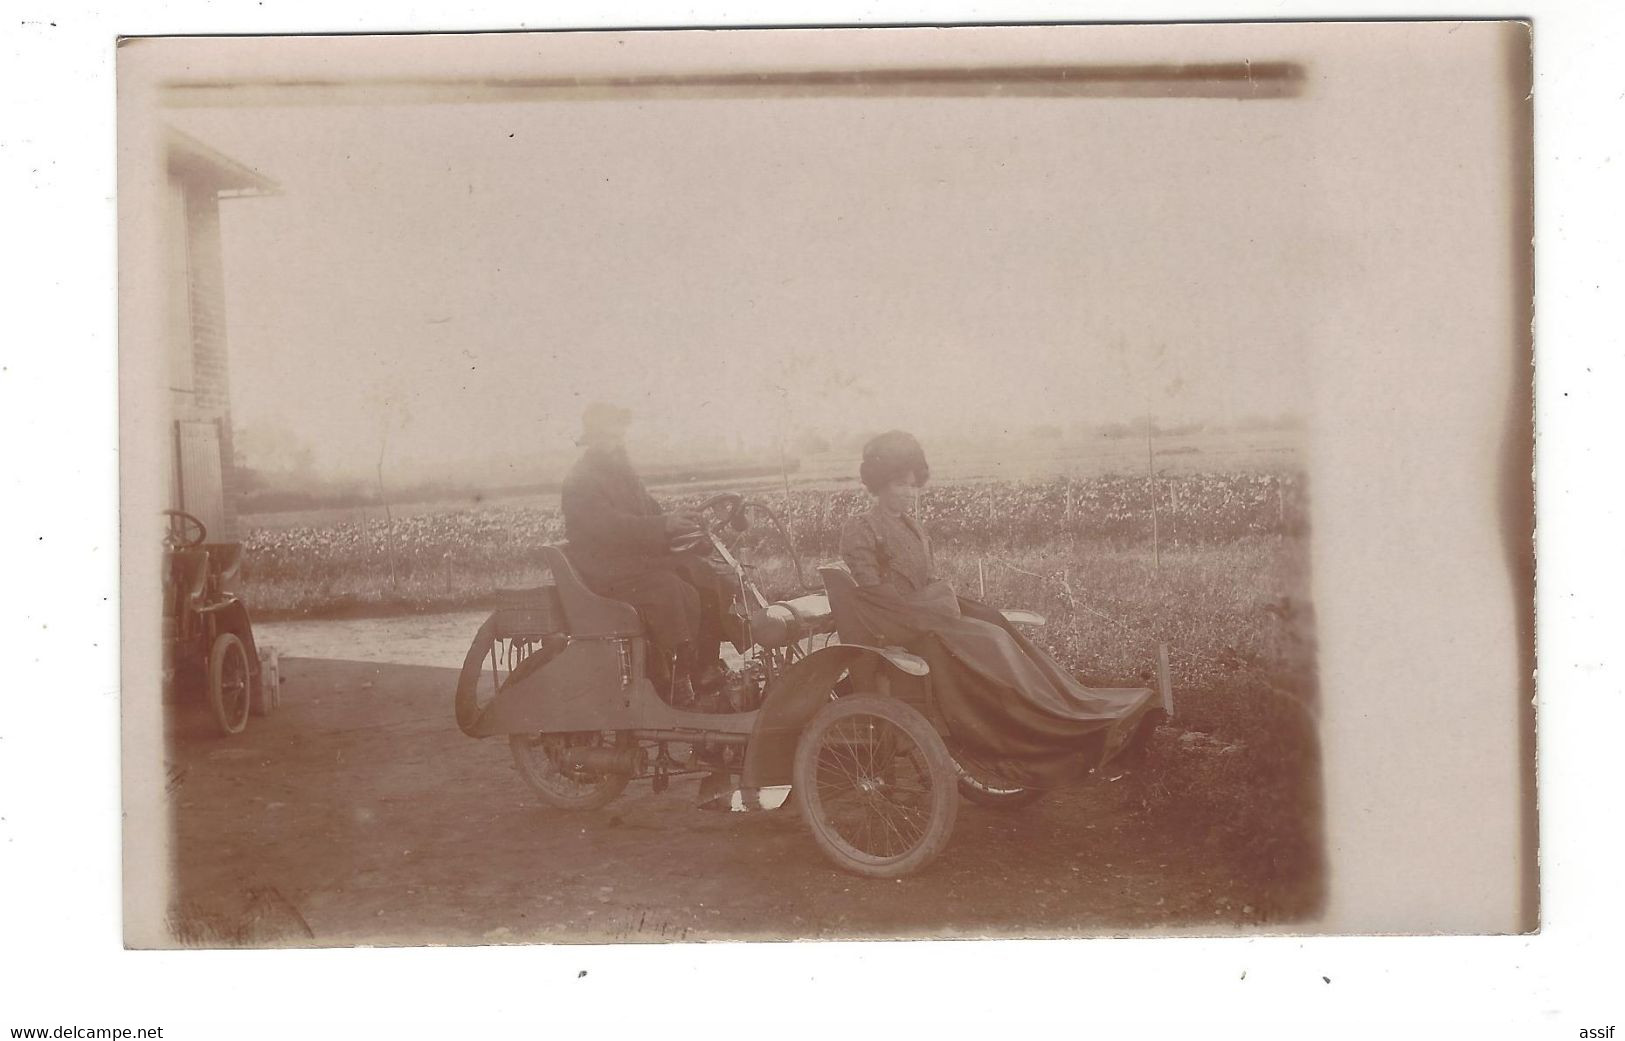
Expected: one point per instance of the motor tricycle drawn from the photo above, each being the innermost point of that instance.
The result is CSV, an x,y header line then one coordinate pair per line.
x,y
811,705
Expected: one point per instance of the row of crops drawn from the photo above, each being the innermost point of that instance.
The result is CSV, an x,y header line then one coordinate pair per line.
x,y
1111,509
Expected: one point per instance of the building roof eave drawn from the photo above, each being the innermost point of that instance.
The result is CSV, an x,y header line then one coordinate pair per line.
x,y
227,176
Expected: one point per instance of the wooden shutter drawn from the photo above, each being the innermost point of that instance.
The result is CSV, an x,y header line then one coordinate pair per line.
x,y
200,483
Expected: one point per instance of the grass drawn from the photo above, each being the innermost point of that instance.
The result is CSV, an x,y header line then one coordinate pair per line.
x,y
373,595
451,557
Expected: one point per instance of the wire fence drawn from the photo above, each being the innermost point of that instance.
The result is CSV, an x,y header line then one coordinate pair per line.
x,y
1060,583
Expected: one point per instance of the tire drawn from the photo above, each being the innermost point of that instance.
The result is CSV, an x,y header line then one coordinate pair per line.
x,y
536,757
876,786
230,685
269,696
1001,795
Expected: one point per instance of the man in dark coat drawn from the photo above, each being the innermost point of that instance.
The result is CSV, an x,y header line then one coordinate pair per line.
x,y
619,540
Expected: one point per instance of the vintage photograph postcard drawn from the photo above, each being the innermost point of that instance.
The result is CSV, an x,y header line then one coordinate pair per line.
x,y
660,486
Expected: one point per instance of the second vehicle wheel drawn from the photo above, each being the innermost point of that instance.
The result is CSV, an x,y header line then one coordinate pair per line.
x,y
542,760
229,684
269,695
876,786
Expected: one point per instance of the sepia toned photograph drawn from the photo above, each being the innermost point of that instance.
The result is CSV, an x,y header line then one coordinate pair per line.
x,y
676,486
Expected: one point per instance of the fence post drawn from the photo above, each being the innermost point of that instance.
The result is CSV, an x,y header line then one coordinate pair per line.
x,y
1151,469
1164,681
981,581
1173,512
1156,541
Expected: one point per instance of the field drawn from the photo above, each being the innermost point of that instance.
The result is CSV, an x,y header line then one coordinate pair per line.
x,y
1017,461
1223,583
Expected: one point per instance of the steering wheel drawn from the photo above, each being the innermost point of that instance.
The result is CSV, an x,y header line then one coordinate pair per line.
x,y
734,517
735,503
181,526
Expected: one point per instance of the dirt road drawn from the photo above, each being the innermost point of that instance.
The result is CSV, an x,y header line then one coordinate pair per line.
x,y
359,814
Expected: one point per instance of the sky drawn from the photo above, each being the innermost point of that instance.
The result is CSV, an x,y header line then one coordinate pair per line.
x,y
449,282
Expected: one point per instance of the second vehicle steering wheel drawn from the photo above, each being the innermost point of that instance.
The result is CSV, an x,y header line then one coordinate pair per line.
x,y
181,526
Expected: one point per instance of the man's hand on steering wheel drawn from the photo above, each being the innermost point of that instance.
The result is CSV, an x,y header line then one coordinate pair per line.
x,y
726,508
683,522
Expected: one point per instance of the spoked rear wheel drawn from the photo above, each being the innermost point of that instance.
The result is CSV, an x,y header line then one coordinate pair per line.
x,y
876,786
541,761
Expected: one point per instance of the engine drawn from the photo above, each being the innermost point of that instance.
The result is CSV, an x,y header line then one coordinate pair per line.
x,y
744,685
777,625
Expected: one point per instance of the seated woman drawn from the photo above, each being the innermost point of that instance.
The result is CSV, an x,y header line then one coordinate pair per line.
x,y
1012,711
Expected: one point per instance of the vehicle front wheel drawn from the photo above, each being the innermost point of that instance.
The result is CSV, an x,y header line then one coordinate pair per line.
x,y
876,786
229,683
540,760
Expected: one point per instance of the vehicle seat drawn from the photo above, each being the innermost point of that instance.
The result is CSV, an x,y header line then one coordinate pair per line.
x,y
226,560
585,612
189,575
840,587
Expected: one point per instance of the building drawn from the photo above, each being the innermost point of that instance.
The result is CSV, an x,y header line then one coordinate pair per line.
x,y
201,470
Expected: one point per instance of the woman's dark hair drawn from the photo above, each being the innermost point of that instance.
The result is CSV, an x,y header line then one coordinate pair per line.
x,y
890,456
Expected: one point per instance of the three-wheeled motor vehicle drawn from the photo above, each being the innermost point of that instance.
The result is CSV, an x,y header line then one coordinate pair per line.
x,y
813,705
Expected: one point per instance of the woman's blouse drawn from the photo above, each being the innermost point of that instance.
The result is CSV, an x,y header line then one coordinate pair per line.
x,y
883,548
